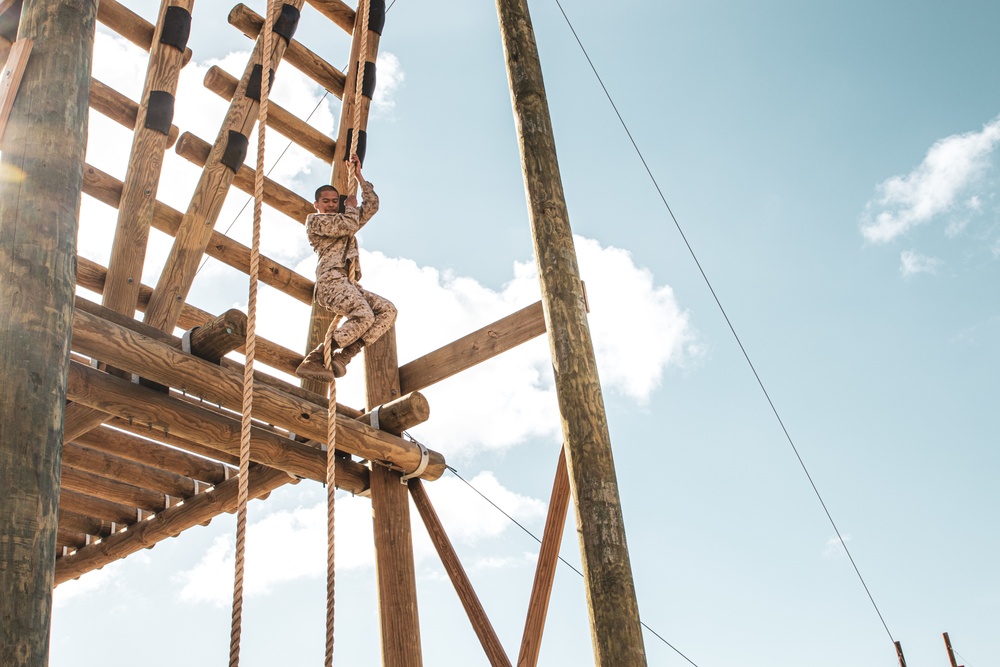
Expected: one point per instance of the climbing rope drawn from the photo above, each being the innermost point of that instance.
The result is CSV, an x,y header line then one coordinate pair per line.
x,y
331,490
251,344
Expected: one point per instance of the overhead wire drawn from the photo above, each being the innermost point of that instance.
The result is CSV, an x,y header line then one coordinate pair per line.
x,y
729,323
563,560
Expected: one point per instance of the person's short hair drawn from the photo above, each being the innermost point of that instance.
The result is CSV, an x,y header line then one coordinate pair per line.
x,y
323,188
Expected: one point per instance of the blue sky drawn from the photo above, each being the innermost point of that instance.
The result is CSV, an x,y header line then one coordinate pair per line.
x,y
835,170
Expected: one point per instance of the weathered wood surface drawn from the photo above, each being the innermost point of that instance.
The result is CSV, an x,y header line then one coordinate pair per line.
x,y
475,348
102,510
217,338
147,407
160,362
168,523
112,490
129,25
304,60
44,142
16,61
86,525
139,450
222,84
403,413
142,177
277,196
107,189
453,566
545,570
229,461
196,228
335,10
614,613
109,466
120,108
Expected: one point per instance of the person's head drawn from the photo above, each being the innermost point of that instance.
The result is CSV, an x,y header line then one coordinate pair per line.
x,y
327,199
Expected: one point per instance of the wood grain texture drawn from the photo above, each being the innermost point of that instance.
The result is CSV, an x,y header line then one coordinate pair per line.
x,y
120,108
614,614
109,466
39,213
129,25
335,10
459,579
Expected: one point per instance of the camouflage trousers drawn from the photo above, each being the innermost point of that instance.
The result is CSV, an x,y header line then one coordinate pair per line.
x,y
367,314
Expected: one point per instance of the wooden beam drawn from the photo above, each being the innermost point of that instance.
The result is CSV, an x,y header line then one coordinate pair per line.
x,y
130,25
149,358
44,144
222,84
545,570
120,108
473,349
142,177
403,413
225,333
84,524
209,195
453,566
112,490
10,79
230,462
96,508
951,653
168,523
107,189
125,446
326,75
614,612
108,466
336,11
277,196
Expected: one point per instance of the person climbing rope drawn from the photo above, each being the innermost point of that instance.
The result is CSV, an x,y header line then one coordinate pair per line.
x,y
368,315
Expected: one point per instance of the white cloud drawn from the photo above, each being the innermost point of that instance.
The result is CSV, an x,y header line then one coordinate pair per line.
x,y
912,263
389,77
834,547
938,185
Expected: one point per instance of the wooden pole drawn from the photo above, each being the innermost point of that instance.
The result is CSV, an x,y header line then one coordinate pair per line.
x,y
951,653
545,571
899,654
453,566
614,613
42,169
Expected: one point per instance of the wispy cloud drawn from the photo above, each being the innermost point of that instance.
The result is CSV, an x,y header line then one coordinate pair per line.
x,y
941,183
912,263
834,547
390,77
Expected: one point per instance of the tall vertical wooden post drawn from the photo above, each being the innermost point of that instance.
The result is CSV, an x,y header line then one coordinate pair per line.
x,y
951,653
41,177
614,613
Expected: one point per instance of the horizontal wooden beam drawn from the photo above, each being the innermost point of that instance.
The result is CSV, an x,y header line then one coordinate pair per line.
x,y
91,275
337,11
230,462
112,467
112,490
134,402
85,524
277,196
168,523
97,508
149,358
473,349
129,25
224,85
129,447
329,77
107,189
120,108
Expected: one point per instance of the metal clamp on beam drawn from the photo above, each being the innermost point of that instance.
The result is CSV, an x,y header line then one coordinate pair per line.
x,y
425,458
186,340
373,418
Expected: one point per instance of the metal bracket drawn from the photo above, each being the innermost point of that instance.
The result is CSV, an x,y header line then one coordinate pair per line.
x,y
373,418
186,340
424,460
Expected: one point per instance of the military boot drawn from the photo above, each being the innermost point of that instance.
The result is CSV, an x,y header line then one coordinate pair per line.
x,y
313,368
342,357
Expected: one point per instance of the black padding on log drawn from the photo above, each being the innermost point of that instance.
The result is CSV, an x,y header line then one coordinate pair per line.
x,y
160,111
176,27
376,16
253,85
368,81
362,144
236,151
287,22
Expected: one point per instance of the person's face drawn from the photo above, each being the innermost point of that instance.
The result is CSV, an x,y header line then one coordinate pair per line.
x,y
328,202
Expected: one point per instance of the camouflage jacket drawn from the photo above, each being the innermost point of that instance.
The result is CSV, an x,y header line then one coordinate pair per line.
x,y
332,235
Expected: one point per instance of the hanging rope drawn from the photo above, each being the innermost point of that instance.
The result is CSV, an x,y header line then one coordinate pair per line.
x,y
352,181
331,490
251,345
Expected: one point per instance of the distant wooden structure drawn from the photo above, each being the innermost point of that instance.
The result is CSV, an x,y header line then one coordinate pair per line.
x,y
116,434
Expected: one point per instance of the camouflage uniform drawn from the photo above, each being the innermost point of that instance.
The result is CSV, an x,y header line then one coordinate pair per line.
x,y
332,237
